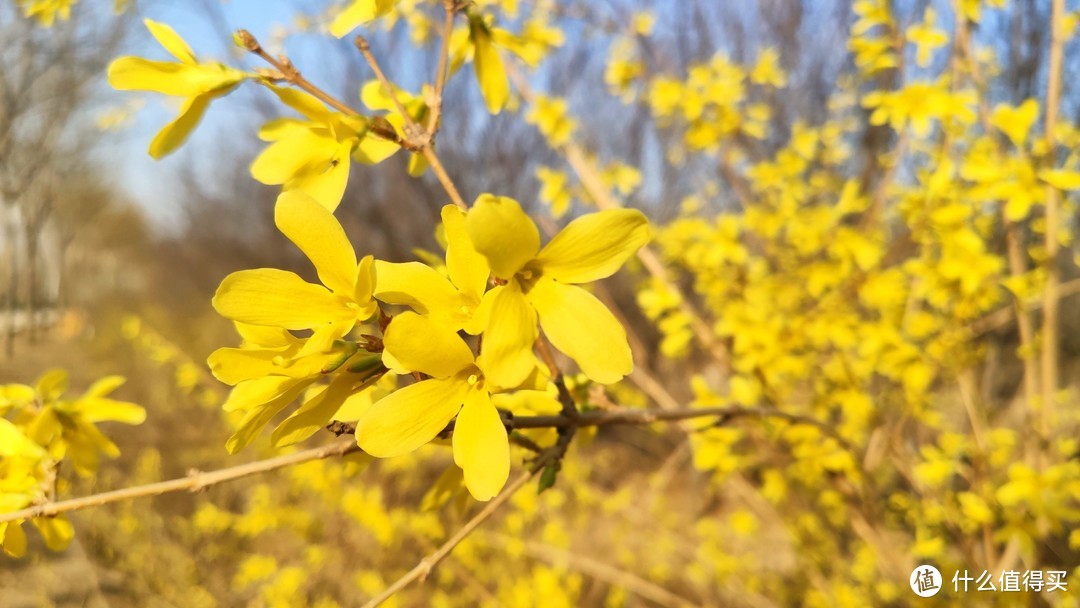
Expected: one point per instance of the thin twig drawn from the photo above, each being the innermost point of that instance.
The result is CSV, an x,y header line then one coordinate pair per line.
x,y
1050,337
425,565
436,103
193,482
416,138
197,481
293,76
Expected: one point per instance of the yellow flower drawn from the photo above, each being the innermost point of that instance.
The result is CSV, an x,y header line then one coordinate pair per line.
x,y
277,298
542,283
197,83
458,386
47,11
312,156
66,427
359,12
452,302
926,37
271,369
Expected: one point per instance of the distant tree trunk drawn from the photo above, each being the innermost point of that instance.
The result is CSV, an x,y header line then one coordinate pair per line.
x,y
32,243
13,282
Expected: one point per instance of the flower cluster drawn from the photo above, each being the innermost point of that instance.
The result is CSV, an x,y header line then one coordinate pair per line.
x,y
369,319
40,428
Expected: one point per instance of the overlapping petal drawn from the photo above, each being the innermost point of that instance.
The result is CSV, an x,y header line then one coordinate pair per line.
x,y
312,228
502,233
581,326
468,269
481,446
419,344
594,246
409,417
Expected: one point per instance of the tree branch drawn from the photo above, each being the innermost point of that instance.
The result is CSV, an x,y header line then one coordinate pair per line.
x,y
424,567
193,482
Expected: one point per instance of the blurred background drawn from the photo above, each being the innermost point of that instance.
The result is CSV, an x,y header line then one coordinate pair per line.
x,y
108,261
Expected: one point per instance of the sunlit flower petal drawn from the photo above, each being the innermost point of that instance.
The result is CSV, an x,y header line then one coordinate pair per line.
x,y
502,233
319,235
594,246
481,446
582,327
409,417
467,268
507,357
420,344
268,296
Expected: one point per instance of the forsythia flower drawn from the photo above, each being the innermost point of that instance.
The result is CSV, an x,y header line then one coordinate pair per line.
x,y
277,298
359,12
416,414
312,156
197,83
541,282
47,11
66,427
452,302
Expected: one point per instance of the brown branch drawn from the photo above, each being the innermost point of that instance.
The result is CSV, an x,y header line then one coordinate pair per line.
x,y
422,569
436,103
416,138
1050,337
193,482
293,76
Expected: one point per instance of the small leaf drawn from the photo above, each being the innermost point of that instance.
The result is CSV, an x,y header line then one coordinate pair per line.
x,y
547,478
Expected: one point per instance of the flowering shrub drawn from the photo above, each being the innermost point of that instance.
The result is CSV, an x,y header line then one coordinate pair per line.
x,y
822,330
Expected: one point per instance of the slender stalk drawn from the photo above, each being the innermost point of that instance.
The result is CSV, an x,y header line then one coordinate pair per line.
x,y
436,103
1050,338
1014,242
197,481
416,138
193,482
424,567
294,77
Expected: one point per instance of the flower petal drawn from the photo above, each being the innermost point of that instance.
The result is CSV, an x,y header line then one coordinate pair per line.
x,y
168,38
260,416
419,344
165,77
594,246
312,228
507,357
490,71
326,181
502,233
467,268
409,417
253,393
481,446
315,413
172,135
582,327
295,147
268,296
416,285
99,409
